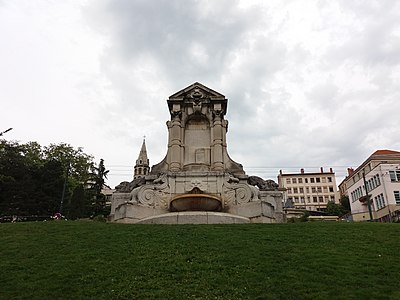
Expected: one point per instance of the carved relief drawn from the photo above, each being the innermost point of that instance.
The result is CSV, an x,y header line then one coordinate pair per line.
x,y
161,182
229,197
263,185
243,194
236,192
127,187
176,115
197,94
197,106
147,196
196,183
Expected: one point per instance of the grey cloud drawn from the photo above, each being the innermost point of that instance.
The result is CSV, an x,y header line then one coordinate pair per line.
x,y
373,38
157,48
175,32
323,96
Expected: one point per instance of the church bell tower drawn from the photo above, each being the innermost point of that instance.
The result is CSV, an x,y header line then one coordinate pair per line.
x,y
142,167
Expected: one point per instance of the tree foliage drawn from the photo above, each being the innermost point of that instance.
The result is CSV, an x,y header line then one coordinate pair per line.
x,y
32,179
345,203
78,205
96,183
334,209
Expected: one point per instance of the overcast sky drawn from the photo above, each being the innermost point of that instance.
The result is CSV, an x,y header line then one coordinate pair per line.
x,y
309,83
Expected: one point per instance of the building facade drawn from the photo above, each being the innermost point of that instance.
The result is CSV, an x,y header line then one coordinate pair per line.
x,y
310,191
379,177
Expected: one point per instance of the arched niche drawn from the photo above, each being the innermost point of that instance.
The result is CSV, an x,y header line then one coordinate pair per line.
x,y
197,142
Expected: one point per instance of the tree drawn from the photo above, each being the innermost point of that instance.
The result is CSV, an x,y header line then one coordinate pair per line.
x,y
96,184
17,186
75,161
76,165
32,177
333,209
50,183
78,204
345,203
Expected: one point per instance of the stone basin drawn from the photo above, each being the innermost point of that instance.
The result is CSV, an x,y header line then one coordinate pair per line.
x,y
196,202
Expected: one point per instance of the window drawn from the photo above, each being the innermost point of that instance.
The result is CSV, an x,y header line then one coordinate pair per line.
x,y
312,180
383,200
296,199
288,180
315,200
323,179
380,201
318,180
394,175
329,179
397,197
302,199
289,190
301,190
306,180
325,189
313,190
356,194
294,180
373,182
308,199
376,180
321,199
331,189
295,191
300,180
307,189
319,189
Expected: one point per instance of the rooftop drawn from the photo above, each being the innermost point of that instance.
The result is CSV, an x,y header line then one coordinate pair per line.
x,y
385,152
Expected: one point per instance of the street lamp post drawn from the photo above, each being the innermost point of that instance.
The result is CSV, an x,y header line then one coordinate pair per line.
x,y
64,188
5,131
368,197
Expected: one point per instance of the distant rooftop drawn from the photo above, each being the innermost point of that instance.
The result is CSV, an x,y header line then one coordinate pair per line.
x,y
385,152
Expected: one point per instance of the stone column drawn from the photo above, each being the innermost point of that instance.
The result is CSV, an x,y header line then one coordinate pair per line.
x,y
175,140
217,142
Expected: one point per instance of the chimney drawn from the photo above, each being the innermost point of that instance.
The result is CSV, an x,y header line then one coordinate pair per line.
x,y
322,170
280,172
350,171
302,171
331,170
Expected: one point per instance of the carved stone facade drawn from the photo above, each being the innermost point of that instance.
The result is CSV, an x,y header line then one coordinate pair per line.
x,y
197,181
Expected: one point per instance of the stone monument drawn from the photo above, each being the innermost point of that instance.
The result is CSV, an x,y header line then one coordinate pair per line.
x,y
197,182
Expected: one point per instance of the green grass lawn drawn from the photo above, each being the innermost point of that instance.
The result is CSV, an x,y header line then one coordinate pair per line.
x,y
83,259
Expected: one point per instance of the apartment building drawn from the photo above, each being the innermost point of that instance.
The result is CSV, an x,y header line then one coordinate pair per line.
x,y
311,191
382,183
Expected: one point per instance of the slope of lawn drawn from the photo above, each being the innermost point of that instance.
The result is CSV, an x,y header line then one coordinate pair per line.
x,y
93,260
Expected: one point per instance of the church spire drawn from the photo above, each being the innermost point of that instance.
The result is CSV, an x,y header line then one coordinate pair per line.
x,y
142,163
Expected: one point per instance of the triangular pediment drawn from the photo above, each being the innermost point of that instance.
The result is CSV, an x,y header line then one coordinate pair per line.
x,y
196,88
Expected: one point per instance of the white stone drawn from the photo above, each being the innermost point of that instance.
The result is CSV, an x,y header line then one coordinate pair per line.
x,y
197,162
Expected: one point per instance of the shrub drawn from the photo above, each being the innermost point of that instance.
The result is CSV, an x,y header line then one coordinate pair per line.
x,y
99,218
304,217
